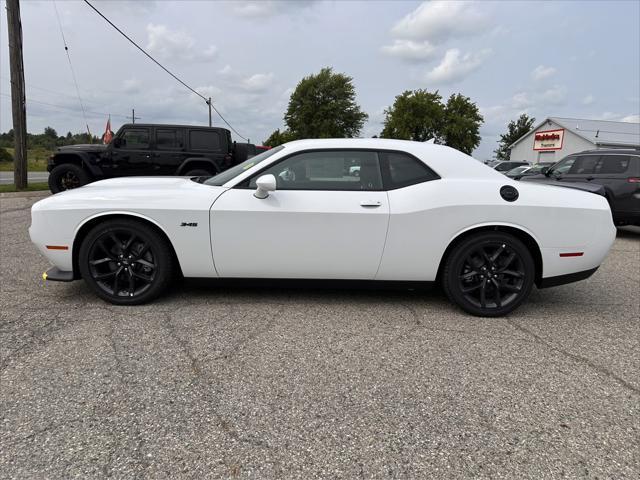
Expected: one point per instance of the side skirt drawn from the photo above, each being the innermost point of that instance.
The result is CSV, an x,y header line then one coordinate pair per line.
x,y
298,283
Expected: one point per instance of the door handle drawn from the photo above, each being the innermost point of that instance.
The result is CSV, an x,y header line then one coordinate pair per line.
x,y
370,203
590,178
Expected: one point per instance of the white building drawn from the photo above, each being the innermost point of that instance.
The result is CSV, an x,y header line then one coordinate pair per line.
x,y
555,138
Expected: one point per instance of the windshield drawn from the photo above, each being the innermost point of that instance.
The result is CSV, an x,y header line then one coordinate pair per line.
x,y
233,172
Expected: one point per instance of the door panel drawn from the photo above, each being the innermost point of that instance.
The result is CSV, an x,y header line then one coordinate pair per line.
x,y
299,234
133,157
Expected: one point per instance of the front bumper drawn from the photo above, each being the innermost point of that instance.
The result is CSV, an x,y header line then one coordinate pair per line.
x,y
56,275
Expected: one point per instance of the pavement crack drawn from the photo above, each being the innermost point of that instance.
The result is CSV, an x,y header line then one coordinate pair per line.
x,y
37,335
576,358
184,346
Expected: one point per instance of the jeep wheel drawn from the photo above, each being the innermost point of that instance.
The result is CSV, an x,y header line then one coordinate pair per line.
x,y
67,176
198,172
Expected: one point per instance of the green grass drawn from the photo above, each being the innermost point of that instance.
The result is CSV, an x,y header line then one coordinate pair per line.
x,y
30,188
36,160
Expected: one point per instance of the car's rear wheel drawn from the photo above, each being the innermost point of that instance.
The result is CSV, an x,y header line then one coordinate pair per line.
x,y
489,274
66,177
126,262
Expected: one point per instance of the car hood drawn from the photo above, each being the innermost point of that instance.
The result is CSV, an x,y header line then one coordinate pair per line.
x,y
83,147
135,193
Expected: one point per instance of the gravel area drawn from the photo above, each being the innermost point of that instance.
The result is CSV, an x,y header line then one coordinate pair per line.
x,y
272,383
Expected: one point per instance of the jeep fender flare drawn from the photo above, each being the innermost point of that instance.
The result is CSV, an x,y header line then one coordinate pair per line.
x,y
83,159
198,162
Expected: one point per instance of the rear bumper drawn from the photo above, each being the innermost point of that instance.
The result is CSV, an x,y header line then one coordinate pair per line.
x,y
564,279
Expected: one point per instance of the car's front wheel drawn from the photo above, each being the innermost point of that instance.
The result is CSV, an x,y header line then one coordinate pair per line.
x,y
126,262
489,274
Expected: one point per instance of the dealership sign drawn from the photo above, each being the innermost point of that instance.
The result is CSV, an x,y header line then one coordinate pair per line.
x,y
548,140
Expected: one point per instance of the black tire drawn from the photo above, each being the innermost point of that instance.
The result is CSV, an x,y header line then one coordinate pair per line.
x,y
67,176
489,274
199,172
119,253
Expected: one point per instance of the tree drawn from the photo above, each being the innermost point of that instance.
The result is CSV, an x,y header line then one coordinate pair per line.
x,y
415,115
50,132
420,115
278,138
324,106
515,130
462,124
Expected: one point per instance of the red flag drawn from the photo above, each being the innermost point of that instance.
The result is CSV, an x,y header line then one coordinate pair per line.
x,y
108,134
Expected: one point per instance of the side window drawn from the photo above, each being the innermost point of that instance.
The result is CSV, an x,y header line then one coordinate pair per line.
x,y
402,170
564,165
613,164
168,139
204,140
135,138
327,170
584,165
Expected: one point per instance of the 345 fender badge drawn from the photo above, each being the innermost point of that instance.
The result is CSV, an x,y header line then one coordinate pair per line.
x,y
189,224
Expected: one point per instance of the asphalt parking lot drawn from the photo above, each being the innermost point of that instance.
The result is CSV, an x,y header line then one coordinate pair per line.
x,y
259,383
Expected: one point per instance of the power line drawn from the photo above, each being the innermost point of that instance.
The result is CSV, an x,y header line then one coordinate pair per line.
x,y
73,74
68,108
207,100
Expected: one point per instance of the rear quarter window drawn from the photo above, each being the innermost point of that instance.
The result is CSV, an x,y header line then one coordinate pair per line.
x,y
614,164
402,170
204,140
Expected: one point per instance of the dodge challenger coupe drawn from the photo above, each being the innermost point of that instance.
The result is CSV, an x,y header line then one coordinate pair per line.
x,y
413,212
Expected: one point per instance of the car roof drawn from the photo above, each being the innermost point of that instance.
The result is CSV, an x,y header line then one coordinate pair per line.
x,y
602,151
446,161
166,125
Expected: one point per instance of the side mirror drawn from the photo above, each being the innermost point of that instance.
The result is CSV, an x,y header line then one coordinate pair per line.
x,y
545,170
117,142
265,184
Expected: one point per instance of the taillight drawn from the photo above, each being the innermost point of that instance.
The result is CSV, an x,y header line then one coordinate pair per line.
x,y
633,180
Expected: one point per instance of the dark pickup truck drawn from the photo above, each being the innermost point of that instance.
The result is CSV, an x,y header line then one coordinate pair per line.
x,y
147,149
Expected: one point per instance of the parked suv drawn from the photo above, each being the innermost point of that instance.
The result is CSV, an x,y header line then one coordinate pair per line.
x,y
146,149
617,170
504,167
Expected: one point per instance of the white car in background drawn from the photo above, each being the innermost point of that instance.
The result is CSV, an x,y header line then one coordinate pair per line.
x,y
415,212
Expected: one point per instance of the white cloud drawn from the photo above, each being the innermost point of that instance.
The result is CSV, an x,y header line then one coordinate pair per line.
x,y
438,21
456,66
521,100
588,100
258,82
131,85
226,70
267,8
556,95
541,72
634,118
410,50
175,45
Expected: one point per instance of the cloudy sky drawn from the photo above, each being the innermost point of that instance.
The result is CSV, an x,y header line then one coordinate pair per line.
x,y
573,59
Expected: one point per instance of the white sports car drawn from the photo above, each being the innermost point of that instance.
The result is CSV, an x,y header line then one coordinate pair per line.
x,y
415,213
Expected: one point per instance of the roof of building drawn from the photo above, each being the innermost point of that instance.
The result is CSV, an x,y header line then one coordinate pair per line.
x,y
598,132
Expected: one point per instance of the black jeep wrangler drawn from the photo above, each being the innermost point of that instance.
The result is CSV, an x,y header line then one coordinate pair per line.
x,y
145,149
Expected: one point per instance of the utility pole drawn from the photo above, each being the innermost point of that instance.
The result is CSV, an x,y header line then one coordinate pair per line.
x,y
133,116
18,100
209,103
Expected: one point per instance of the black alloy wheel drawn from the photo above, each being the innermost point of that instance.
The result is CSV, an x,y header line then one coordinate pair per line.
x,y
66,177
489,274
126,262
